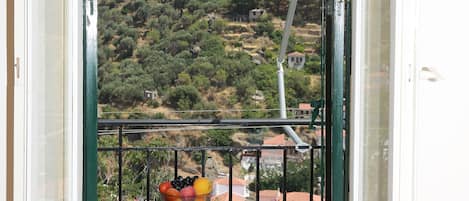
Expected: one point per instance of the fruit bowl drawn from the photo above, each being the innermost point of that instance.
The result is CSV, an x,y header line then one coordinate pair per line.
x,y
186,189
167,197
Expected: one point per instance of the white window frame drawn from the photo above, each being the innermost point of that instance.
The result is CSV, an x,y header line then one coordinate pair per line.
x,y
73,141
74,99
3,95
402,108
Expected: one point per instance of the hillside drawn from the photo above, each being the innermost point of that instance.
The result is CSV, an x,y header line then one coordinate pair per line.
x,y
194,49
197,55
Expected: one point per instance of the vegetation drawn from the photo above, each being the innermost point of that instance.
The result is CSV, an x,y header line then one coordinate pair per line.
x,y
196,58
297,178
172,47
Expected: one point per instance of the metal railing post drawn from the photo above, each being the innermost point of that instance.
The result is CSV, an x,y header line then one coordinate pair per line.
x,y
175,164
284,180
230,176
120,163
148,174
258,179
311,178
203,162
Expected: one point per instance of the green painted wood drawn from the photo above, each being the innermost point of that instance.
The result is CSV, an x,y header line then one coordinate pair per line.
x,y
348,72
337,103
90,121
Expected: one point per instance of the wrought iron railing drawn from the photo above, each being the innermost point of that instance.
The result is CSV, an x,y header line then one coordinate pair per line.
x,y
120,126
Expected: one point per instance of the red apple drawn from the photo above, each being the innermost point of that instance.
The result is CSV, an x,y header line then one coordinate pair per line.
x,y
164,187
188,192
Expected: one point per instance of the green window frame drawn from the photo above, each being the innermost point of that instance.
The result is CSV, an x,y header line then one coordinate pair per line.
x,y
336,61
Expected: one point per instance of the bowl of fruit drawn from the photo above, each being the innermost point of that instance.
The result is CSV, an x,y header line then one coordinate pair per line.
x,y
186,189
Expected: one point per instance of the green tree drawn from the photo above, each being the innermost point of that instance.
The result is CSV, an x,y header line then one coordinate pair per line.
x,y
201,82
141,15
219,79
219,137
180,4
183,96
298,175
126,47
245,88
243,6
264,26
184,79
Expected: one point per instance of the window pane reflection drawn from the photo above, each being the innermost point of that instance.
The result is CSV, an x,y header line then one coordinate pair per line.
x,y
374,95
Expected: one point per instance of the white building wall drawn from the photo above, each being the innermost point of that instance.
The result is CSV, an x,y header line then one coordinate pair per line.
x,y
237,189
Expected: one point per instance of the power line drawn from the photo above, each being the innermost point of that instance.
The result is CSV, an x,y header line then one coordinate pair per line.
x,y
138,131
202,111
199,122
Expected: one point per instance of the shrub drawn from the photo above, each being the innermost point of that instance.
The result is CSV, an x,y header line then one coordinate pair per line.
x,y
183,97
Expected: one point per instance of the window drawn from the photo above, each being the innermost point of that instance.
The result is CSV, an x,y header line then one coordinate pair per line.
x,y
372,95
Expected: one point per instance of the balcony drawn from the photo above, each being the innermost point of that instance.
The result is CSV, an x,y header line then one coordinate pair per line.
x,y
129,170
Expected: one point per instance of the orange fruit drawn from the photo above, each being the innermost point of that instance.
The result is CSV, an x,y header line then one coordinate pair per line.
x,y
202,186
164,187
201,198
172,194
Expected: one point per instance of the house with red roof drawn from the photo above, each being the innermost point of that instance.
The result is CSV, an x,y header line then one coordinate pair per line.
x,y
274,158
269,195
303,111
296,60
221,186
276,195
225,197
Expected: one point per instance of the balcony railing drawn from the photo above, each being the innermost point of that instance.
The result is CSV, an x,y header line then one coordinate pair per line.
x,y
121,126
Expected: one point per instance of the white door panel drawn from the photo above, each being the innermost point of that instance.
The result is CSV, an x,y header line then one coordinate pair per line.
x,y
40,126
441,166
20,96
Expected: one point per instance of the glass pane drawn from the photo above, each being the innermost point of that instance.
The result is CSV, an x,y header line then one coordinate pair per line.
x,y
374,95
204,58
201,59
46,111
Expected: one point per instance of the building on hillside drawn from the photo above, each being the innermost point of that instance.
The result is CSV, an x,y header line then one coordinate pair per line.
x,y
248,159
225,197
296,60
276,195
274,158
255,14
239,18
221,186
258,96
303,111
150,95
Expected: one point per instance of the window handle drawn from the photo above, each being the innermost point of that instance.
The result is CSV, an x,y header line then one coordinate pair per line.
x,y
430,74
17,66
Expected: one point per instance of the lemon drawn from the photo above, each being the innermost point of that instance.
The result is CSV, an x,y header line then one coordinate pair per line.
x,y
202,186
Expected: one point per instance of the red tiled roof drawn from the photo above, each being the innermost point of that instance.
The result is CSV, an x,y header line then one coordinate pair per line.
x,y
296,54
300,196
269,195
277,140
225,181
317,132
304,106
225,197
275,195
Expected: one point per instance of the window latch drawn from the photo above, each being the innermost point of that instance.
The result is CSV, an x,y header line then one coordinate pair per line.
x,y
17,67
